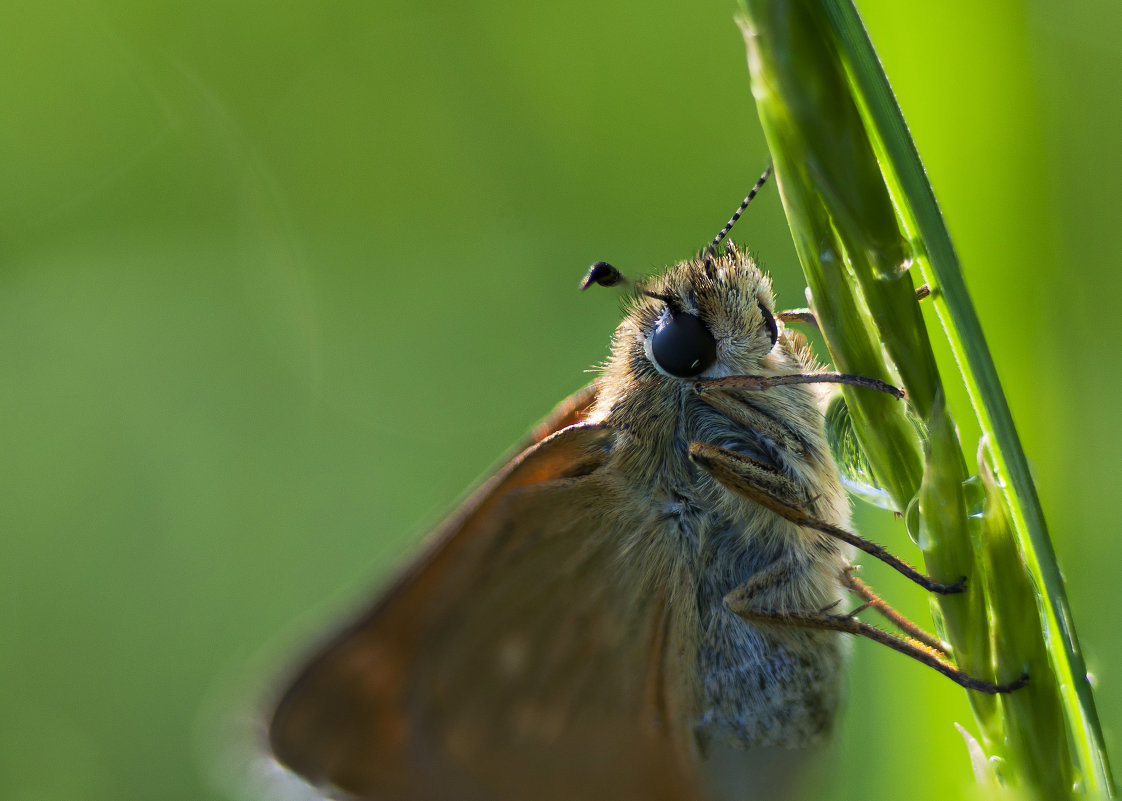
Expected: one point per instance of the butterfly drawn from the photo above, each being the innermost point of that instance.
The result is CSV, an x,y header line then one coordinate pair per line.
x,y
642,603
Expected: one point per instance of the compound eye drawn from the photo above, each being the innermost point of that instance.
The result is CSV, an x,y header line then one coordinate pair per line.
x,y
683,346
769,324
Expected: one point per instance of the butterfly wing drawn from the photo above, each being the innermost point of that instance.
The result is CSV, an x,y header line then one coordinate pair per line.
x,y
515,660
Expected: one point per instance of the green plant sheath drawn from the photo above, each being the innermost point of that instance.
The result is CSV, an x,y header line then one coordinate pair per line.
x,y
864,219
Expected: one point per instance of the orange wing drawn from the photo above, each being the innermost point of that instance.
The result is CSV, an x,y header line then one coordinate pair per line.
x,y
516,659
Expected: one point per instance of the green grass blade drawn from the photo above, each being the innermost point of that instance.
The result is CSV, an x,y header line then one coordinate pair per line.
x,y
862,216
959,320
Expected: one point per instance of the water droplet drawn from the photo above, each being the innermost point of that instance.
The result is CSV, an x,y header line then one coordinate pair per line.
x,y
912,523
856,473
974,494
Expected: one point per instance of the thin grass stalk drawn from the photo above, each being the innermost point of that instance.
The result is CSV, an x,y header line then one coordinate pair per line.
x,y
863,217
938,261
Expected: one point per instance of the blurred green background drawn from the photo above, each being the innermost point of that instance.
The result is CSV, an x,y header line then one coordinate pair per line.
x,y
280,281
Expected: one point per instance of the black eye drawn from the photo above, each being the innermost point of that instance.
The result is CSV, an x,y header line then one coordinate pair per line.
x,y
769,324
683,346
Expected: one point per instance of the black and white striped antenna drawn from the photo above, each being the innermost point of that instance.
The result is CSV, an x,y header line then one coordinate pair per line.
x,y
711,249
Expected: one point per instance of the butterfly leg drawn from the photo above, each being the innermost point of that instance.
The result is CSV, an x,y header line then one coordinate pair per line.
x,y
807,316
782,570
741,411
874,601
760,383
797,316
756,481
925,654
777,574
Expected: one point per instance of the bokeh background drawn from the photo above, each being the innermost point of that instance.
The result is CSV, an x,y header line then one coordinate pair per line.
x,y
279,281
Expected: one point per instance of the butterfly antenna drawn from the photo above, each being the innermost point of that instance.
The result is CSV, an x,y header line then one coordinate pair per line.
x,y
605,274
711,249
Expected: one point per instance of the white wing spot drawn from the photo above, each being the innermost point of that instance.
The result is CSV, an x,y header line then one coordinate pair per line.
x,y
511,656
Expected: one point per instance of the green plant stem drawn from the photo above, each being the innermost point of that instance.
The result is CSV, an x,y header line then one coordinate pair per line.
x,y
862,216
964,332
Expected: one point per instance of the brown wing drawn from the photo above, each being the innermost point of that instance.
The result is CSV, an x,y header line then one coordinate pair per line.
x,y
517,660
